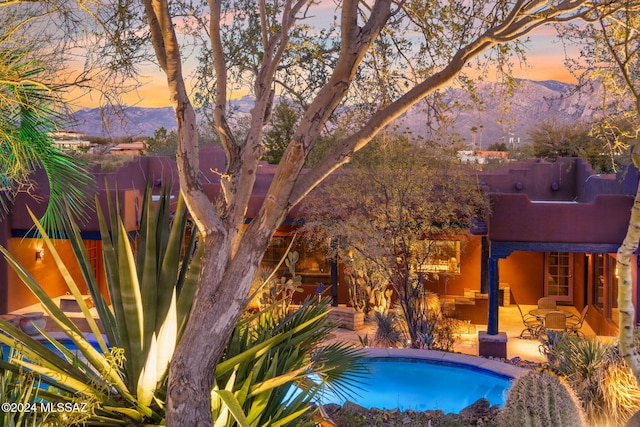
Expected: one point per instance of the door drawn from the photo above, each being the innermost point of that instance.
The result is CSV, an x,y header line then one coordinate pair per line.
x,y
559,276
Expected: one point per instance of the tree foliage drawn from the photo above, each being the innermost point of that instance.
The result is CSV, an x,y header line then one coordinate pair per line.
x,y
551,139
392,209
281,128
30,112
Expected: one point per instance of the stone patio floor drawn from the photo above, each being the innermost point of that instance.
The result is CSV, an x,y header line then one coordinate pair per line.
x,y
509,321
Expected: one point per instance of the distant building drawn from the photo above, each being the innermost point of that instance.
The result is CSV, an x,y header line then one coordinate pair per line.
x,y
68,140
137,147
481,157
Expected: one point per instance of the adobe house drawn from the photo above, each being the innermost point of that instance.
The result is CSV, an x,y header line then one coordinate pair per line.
x,y
553,230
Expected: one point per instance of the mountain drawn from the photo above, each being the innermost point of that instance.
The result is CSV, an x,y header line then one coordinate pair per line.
x,y
500,116
504,116
130,121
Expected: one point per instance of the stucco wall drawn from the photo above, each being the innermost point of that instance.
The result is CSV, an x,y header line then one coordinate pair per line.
x,y
523,271
44,272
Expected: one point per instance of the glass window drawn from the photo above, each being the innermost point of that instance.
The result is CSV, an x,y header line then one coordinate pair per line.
x,y
313,263
599,280
441,256
558,282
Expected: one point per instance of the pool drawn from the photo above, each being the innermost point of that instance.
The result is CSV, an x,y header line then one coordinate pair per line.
x,y
419,380
65,341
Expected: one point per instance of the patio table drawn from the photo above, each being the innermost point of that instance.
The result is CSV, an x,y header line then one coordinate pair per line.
x,y
539,313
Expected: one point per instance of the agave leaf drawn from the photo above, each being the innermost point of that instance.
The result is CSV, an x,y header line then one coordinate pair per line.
x,y
113,280
132,307
67,326
131,413
167,339
148,375
188,290
278,381
32,349
104,313
234,407
171,259
70,282
63,379
146,263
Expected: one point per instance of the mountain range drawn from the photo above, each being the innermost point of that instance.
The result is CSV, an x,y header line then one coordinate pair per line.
x,y
498,116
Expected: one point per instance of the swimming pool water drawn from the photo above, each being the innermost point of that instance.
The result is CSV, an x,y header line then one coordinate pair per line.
x,y
421,384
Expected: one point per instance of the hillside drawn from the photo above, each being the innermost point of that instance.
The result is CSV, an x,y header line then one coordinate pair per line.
x,y
500,118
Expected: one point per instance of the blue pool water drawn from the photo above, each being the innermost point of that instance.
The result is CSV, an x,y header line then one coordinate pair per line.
x,y
5,350
421,384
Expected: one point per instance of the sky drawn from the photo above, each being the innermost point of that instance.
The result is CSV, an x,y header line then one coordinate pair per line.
x,y
545,61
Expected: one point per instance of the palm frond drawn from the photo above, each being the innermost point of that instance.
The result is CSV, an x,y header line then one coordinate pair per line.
x,y
28,117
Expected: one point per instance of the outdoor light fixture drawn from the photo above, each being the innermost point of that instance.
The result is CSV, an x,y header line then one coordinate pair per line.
x,y
39,254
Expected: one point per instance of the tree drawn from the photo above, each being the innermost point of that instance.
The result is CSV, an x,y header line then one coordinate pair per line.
x,y
281,129
551,140
384,58
453,35
402,209
163,143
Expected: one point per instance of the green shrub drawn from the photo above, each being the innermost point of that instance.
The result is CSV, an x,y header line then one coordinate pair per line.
x,y
598,375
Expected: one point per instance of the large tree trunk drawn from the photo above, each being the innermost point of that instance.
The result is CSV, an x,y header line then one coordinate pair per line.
x,y
625,289
218,303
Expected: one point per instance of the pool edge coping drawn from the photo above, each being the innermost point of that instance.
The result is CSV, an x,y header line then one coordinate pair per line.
x,y
492,365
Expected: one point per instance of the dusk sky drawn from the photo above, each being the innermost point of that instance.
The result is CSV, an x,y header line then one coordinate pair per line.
x,y
545,62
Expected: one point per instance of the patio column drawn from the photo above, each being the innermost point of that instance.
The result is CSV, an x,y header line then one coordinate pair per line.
x,y
492,343
484,265
494,291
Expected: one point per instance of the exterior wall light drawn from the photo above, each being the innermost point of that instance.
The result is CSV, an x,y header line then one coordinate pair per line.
x,y
39,254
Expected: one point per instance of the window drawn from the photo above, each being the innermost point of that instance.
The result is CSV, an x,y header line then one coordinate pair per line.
x,y
313,264
605,286
440,256
559,277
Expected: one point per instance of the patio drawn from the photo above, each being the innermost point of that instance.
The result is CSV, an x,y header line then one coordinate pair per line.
x,y
510,322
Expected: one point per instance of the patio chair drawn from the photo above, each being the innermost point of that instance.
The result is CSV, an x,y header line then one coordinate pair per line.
x,y
574,326
531,323
555,321
547,303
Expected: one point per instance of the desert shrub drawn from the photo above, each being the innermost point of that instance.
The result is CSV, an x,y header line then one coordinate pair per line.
x,y
597,373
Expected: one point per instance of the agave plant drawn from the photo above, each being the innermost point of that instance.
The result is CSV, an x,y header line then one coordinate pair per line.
x,y
120,378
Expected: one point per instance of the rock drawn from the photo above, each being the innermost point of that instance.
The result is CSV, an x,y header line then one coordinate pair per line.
x,y
354,408
479,412
330,408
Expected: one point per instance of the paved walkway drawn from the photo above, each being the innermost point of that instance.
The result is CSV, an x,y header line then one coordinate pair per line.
x,y
509,321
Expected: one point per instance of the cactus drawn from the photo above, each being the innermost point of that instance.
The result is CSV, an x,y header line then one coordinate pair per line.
x,y
541,399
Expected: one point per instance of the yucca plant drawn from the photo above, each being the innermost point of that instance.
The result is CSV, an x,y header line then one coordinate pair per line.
x,y
596,371
122,377
275,367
